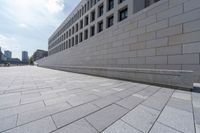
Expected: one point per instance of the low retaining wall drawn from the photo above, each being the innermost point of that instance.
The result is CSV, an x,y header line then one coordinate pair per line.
x,y
179,79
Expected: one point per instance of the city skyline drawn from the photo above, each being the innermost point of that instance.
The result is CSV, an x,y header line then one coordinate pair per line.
x,y
31,23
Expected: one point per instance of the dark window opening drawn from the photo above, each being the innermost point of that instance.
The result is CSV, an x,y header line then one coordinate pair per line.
x,y
92,31
123,14
110,21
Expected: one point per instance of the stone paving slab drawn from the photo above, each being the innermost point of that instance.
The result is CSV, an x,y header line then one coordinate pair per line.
x,y
142,118
106,116
81,126
41,126
178,119
40,113
121,127
8,122
160,128
39,100
73,114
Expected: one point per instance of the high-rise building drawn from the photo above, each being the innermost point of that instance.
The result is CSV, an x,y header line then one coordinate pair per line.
x,y
139,34
25,56
8,54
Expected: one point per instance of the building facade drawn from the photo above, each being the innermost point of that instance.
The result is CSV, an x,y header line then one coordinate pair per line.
x,y
1,54
8,54
25,56
148,34
39,54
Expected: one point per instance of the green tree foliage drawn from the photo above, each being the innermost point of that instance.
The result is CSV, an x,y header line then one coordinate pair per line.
x,y
31,61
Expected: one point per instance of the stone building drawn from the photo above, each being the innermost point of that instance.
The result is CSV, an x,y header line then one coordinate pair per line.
x,y
39,54
140,34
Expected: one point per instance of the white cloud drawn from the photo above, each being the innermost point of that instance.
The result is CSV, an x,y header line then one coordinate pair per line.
x,y
55,6
23,25
27,24
9,43
35,13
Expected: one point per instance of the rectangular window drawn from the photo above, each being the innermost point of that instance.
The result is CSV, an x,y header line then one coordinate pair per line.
x,y
92,16
66,43
72,41
85,8
69,32
86,20
141,4
123,14
92,3
150,2
72,30
110,4
100,10
81,37
100,26
81,24
77,27
120,1
110,21
76,39
64,36
69,43
92,30
88,6
86,34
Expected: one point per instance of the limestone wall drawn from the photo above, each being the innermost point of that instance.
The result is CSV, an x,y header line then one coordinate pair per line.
x,y
165,35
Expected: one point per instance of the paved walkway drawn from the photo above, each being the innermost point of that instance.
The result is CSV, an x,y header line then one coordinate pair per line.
x,y
38,100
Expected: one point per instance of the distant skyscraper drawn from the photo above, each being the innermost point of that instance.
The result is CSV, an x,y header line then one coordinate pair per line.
x,y
24,56
8,54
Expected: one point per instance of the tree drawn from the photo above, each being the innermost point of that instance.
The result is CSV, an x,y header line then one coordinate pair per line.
x,y
31,61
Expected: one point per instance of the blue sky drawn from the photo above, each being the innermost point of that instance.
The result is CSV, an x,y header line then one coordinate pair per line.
x,y
27,24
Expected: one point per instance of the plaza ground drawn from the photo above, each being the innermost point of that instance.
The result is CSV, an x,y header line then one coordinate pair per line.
x,y
39,100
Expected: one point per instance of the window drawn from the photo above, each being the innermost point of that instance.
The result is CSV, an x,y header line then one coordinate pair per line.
x,y
92,2
86,34
76,27
69,43
110,21
141,4
76,39
86,20
123,14
66,43
92,17
100,26
81,24
81,37
120,1
85,8
150,2
72,30
110,4
100,9
88,6
72,41
69,32
92,30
